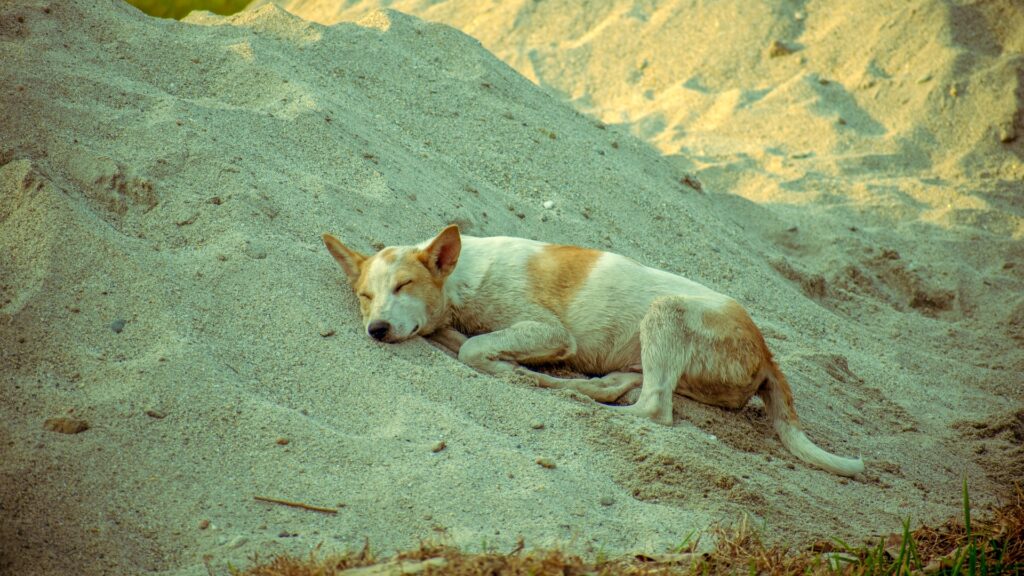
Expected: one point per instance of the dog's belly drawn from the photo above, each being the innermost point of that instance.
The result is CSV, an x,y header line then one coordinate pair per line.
x,y
602,352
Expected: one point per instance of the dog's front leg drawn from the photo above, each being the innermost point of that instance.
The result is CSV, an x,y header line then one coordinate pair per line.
x,y
529,342
538,343
449,340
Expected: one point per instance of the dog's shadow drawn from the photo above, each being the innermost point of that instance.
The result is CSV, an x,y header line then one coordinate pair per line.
x,y
747,429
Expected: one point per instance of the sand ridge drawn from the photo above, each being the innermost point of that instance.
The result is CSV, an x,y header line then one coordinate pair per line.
x,y
163,186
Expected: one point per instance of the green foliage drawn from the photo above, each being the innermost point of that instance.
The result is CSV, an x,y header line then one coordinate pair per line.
x,y
178,9
972,554
960,547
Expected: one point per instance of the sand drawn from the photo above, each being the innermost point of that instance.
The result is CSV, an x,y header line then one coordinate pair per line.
x,y
163,187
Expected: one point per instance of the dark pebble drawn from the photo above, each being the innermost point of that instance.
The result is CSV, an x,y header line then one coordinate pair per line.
x,y
66,425
118,325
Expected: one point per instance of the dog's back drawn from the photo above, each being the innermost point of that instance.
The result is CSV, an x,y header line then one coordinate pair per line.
x,y
600,297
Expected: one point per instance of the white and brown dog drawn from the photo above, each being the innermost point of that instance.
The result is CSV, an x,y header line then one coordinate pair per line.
x,y
503,304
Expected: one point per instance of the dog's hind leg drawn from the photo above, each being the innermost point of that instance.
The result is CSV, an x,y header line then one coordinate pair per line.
x,y
607,388
705,349
666,349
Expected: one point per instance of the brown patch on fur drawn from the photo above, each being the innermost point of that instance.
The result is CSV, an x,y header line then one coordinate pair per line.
x,y
442,255
782,385
714,393
557,272
734,359
351,262
742,339
425,286
387,255
359,287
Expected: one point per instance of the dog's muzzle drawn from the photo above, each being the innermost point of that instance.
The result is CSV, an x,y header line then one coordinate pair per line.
x,y
378,330
382,331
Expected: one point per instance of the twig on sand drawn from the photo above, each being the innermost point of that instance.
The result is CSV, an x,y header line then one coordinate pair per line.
x,y
296,504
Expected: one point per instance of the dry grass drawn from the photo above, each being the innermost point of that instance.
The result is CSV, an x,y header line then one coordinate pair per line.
x,y
993,545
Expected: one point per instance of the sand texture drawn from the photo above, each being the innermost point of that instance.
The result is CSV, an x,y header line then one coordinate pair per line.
x,y
175,340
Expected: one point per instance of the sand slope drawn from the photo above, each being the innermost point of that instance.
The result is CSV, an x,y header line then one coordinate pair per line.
x,y
924,84
163,186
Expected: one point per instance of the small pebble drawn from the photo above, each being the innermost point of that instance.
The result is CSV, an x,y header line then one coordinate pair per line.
x,y
438,446
546,462
66,425
204,524
607,500
537,425
283,441
327,332
692,182
237,542
549,204
155,414
777,49
118,325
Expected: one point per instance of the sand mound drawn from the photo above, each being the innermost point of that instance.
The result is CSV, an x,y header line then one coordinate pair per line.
x,y
163,186
922,86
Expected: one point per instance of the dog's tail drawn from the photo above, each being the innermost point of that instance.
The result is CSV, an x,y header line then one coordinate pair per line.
x,y
778,399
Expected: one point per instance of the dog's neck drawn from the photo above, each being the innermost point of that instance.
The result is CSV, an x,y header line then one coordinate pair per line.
x,y
465,279
463,284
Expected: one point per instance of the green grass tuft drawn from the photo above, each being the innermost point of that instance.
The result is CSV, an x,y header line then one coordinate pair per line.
x,y
992,546
178,9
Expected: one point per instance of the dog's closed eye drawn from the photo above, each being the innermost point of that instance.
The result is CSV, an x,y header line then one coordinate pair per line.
x,y
365,296
402,285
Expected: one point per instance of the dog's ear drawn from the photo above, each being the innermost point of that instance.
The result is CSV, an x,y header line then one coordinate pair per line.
x,y
441,256
350,260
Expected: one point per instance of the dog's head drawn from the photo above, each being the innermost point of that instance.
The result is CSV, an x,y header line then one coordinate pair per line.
x,y
401,288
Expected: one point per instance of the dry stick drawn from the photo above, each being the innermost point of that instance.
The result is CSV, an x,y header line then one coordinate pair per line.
x,y
296,505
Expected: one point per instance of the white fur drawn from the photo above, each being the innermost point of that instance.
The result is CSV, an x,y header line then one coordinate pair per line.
x,y
629,325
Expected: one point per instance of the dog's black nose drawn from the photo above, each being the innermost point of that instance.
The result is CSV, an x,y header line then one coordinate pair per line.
x,y
378,329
